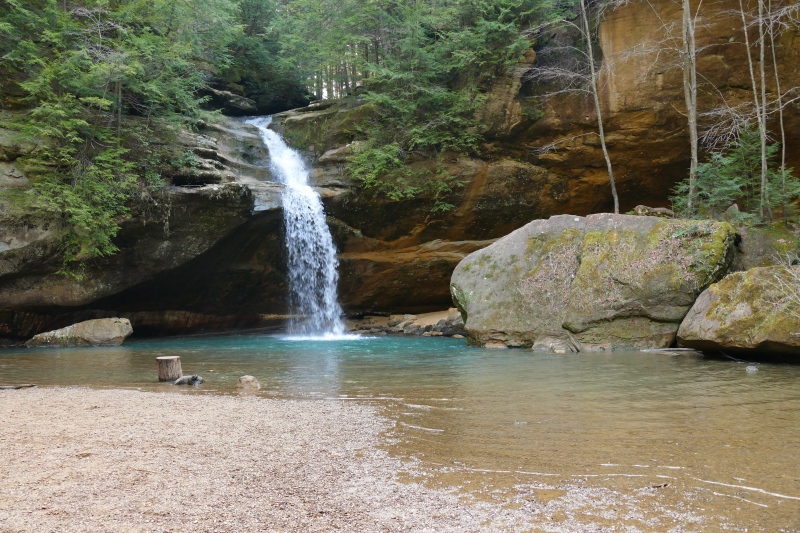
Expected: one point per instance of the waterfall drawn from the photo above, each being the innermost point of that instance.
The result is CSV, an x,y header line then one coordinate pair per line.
x,y
312,261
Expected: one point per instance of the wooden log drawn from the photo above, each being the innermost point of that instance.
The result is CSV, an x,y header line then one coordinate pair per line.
x,y
169,368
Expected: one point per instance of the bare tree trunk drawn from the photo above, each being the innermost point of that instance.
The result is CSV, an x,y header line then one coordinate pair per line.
x,y
119,112
764,183
780,110
382,33
689,53
329,81
169,368
354,66
346,78
588,36
759,115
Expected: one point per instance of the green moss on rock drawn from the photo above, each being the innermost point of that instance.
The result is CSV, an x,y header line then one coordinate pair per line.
x,y
600,282
757,310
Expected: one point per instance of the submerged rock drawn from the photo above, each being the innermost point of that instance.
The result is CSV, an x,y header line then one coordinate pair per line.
x,y
757,310
194,379
603,282
248,383
100,332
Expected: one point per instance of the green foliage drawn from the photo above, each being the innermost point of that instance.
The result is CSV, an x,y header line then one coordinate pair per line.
x,y
259,70
422,64
83,66
733,175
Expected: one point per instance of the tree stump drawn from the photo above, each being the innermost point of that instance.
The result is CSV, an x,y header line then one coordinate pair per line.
x,y
169,368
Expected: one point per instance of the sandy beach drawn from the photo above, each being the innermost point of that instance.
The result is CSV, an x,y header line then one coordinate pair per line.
x,y
75,459
78,459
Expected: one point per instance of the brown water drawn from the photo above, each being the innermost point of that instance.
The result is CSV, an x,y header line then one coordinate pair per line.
x,y
583,437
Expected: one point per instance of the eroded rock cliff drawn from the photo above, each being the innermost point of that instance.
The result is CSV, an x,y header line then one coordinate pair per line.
x,y
210,254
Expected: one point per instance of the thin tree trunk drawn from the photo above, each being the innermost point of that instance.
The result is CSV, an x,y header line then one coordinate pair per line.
x,y
329,82
759,116
780,111
689,53
354,67
597,106
382,33
762,47
346,78
119,112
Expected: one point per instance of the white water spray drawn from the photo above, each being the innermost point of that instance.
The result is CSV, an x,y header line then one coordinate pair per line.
x,y
313,273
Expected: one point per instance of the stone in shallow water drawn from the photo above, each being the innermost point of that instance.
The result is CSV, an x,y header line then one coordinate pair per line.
x,y
495,345
101,332
602,282
248,383
753,311
411,329
194,379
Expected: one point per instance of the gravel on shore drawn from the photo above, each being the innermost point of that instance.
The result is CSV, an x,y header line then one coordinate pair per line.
x,y
76,459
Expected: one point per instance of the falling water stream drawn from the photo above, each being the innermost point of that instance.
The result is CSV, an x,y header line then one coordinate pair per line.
x,y
312,262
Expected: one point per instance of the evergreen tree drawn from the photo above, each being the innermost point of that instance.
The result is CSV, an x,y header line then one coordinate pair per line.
x,y
734,175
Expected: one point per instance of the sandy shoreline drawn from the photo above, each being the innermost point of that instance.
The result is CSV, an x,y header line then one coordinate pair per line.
x,y
76,459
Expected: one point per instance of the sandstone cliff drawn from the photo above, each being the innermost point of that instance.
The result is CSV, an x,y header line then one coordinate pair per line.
x,y
210,256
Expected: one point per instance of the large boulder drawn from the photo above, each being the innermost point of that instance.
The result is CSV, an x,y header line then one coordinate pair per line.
x,y
766,245
101,332
757,310
603,282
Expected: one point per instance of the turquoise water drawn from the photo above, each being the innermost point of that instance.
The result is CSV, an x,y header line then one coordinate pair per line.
x,y
617,418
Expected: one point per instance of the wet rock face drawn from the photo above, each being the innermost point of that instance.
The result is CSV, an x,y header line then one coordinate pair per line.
x,y
102,332
603,282
756,311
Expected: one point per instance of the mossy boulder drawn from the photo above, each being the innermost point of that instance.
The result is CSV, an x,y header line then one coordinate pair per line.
x,y
766,245
757,310
516,290
603,282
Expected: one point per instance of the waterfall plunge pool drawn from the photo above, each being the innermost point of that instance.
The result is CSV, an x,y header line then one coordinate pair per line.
x,y
502,424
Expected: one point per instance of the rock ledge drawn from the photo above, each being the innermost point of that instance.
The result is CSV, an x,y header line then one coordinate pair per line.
x,y
100,332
